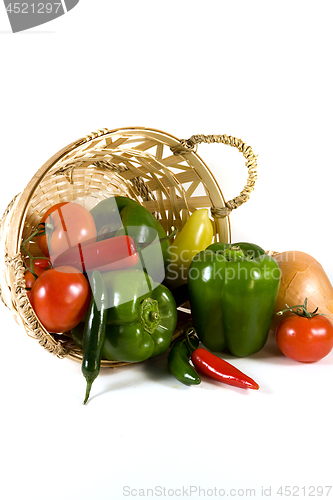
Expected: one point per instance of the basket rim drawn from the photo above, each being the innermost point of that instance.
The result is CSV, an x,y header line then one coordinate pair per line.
x,y
25,196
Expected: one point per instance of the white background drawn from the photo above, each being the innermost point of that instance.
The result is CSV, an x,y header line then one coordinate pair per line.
x,y
258,70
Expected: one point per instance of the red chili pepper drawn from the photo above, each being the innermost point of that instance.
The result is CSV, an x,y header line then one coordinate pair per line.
x,y
218,369
111,254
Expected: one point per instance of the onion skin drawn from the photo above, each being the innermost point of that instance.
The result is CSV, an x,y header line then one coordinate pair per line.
x,y
302,277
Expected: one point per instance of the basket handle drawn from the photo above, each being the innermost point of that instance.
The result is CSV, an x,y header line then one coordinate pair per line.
x,y
189,145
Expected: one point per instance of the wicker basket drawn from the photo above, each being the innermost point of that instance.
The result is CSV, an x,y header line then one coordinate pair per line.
x,y
159,171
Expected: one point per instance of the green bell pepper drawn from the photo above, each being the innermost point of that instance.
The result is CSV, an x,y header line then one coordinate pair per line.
x,y
121,215
106,215
142,316
233,291
147,232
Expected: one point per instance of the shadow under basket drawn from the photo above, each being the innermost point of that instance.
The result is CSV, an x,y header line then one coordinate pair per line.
x,y
159,171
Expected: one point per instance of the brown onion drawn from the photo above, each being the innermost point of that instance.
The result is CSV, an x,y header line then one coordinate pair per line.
x,y
302,277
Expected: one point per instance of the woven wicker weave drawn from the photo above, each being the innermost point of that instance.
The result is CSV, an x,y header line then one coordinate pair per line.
x,y
159,171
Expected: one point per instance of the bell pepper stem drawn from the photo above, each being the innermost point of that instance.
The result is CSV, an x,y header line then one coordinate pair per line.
x,y
188,330
234,253
149,315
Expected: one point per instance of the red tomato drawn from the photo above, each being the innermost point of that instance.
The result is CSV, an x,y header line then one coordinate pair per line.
x,y
305,339
60,298
72,224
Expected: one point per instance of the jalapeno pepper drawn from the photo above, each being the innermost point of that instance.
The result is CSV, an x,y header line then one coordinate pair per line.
x,y
178,361
94,331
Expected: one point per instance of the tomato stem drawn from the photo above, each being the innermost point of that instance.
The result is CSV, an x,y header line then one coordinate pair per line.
x,y
40,231
301,310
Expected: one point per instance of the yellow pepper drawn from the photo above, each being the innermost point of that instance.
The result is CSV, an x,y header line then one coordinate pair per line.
x,y
194,237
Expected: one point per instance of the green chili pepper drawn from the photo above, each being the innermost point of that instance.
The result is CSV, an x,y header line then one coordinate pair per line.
x,y
94,331
141,319
233,290
178,361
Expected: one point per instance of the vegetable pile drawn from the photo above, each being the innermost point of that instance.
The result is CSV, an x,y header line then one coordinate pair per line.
x,y
113,280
